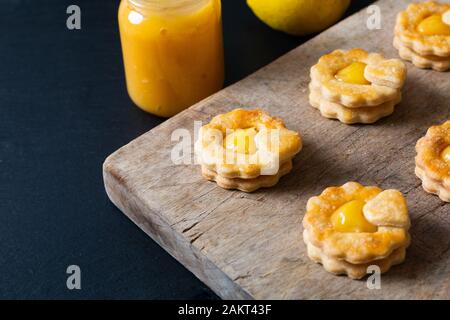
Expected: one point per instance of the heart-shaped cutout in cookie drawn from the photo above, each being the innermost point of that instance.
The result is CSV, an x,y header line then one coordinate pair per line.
x,y
389,73
388,209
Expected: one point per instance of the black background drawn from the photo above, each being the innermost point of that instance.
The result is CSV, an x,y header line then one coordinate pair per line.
x,y
64,109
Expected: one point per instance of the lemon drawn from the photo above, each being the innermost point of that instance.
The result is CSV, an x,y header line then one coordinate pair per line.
x,y
299,17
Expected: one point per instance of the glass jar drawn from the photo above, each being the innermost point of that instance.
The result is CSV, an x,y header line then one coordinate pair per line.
x,y
172,52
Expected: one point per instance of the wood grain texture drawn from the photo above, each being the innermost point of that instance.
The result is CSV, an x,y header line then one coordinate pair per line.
x,y
250,245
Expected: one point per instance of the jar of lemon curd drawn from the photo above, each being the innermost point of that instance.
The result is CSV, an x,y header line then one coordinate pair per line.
x,y
172,52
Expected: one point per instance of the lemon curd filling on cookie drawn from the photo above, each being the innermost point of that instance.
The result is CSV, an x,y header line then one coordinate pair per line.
x,y
353,226
242,141
434,25
445,155
350,218
353,73
235,145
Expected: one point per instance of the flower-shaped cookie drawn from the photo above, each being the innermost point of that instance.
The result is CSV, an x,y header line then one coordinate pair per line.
x,y
346,115
425,28
248,185
380,82
357,224
424,62
354,271
246,144
433,161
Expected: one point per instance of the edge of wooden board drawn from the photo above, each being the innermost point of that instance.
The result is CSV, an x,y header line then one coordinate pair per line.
x,y
155,227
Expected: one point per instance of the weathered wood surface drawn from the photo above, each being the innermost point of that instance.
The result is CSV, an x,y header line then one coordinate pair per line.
x,y
250,245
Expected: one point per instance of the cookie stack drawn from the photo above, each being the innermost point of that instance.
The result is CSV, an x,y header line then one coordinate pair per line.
x,y
352,270
246,150
246,184
433,160
422,35
352,228
356,86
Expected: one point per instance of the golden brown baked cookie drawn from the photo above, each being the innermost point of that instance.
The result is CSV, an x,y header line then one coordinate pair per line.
x,y
356,86
246,144
246,149
357,78
424,62
426,37
422,35
349,227
247,185
353,271
346,115
433,161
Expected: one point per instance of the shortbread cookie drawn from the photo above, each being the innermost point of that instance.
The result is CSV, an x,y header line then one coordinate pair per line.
x,y
433,161
357,224
424,62
346,115
423,27
246,144
353,271
357,78
247,185
433,186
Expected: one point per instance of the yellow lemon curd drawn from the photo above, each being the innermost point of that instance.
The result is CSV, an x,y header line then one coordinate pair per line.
x,y
434,26
172,52
350,218
353,73
446,155
241,141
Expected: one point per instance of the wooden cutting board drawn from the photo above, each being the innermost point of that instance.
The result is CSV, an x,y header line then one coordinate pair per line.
x,y
250,245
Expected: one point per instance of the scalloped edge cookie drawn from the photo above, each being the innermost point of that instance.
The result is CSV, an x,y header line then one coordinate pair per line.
x,y
421,44
436,63
431,185
430,168
211,154
357,247
247,185
353,271
346,115
379,69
